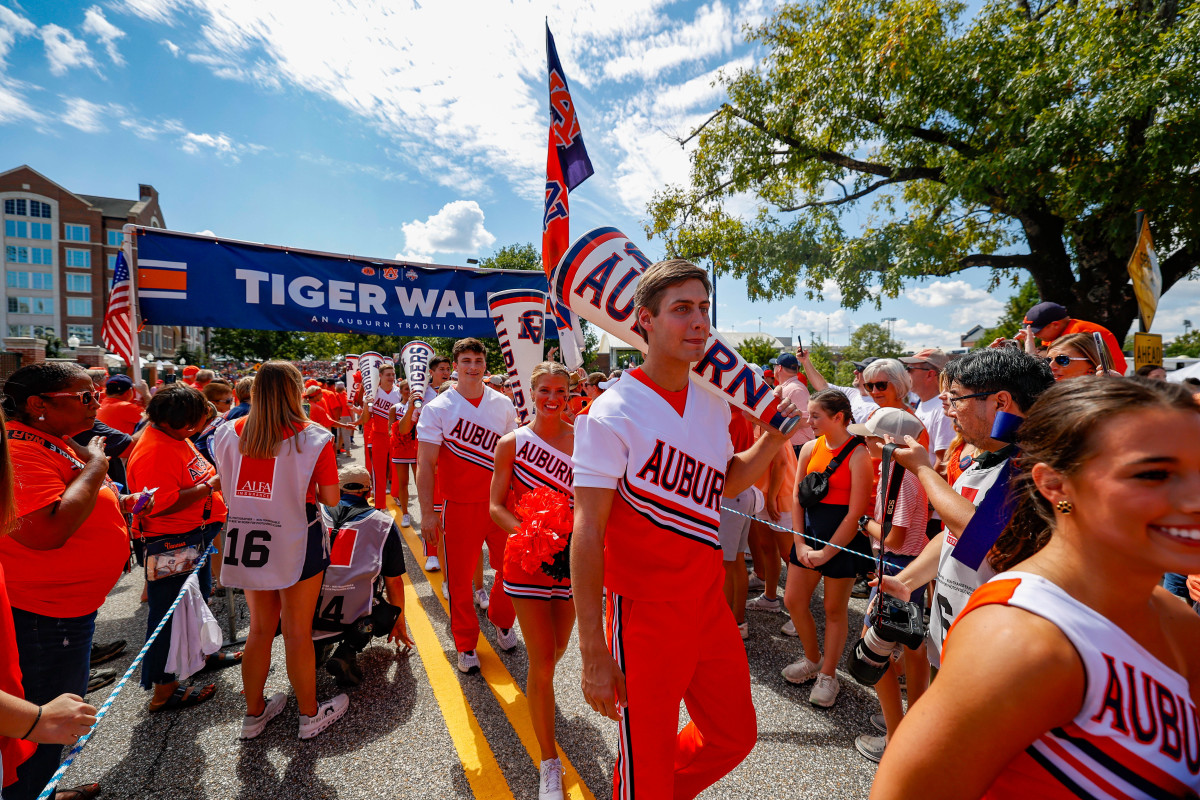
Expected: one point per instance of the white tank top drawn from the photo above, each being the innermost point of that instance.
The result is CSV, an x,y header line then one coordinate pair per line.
x,y
266,534
1135,736
355,559
536,463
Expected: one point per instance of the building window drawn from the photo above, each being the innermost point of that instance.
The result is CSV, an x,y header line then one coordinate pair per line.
x,y
84,332
43,280
112,262
19,229
40,230
79,306
17,255
79,258
30,280
77,282
42,255
15,206
31,305
77,233
115,238
17,280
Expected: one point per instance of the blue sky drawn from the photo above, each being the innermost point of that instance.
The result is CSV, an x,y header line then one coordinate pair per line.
x,y
409,128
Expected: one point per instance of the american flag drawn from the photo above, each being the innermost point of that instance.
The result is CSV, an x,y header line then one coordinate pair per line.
x,y
116,332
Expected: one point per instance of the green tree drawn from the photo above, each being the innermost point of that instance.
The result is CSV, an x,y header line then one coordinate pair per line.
x,y
824,359
758,349
1186,345
1022,139
872,339
247,345
1014,314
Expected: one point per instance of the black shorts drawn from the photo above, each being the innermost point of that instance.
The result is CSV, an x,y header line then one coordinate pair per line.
x,y
820,523
316,553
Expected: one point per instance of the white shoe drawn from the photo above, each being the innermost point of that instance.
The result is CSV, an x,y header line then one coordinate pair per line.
x,y
445,590
550,785
432,565
764,603
871,747
879,723
406,520
253,726
506,637
468,662
755,583
481,599
789,629
744,630
825,691
801,671
328,713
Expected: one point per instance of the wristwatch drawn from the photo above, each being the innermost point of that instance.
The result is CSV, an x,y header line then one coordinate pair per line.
x,y
862,523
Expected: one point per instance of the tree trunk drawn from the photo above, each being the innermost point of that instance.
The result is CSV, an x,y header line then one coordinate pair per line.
x,y
1103,293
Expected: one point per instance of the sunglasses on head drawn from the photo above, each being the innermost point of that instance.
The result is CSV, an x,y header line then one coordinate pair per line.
x,y
84,397
1064,360
877,386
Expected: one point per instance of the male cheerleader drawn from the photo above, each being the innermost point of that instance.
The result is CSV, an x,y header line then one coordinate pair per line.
x,y
456,437
406,428
653,459
377,419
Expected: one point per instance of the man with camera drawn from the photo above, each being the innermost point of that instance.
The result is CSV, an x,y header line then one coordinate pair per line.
x,y
365,547
990,392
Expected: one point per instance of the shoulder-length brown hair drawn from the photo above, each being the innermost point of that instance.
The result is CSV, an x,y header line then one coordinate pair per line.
x,y
275,411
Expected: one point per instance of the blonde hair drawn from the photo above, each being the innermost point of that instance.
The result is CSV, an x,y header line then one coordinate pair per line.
x,y
1081,343
660,276
548,368
275,411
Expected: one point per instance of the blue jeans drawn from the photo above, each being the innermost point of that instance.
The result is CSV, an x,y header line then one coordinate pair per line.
x,y
1176,584
55,655
160,595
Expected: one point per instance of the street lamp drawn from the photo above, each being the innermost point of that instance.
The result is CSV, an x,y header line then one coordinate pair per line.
x,y
73,342
890,325
1187,325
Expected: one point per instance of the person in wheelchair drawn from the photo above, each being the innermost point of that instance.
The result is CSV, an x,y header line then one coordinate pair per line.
x,y
362,593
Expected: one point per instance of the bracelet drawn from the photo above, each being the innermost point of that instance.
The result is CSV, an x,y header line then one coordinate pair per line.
x,y
36,720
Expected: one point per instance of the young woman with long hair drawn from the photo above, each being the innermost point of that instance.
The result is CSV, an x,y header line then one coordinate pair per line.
x,y
538,454
276,464
833,521
1074,674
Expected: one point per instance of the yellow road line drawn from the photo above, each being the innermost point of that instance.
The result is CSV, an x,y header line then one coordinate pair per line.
x,y
510,697
479,763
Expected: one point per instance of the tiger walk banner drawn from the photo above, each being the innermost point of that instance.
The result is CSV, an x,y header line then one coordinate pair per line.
x,y
186,279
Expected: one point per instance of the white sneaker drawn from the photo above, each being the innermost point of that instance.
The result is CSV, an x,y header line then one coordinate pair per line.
x,y
445,590
789,629
468,662
744,630
328,713
871,747
432,565
755,583
506,637
825,691
764,603
550,785
406,520
801,671
481,599
253,726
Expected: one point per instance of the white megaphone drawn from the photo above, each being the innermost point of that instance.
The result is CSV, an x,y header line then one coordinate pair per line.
x,y
351,368
369,364
415,357
596,278
520,319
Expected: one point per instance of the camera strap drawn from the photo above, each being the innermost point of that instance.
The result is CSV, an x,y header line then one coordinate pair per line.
x,y
891,476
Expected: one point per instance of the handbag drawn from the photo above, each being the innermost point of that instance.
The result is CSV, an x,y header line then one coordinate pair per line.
x,y
815,486
174,553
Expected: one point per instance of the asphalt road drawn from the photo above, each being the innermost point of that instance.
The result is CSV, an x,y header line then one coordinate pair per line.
x,y
418,728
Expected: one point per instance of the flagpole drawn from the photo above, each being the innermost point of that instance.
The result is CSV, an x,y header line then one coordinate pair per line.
x,y
135,369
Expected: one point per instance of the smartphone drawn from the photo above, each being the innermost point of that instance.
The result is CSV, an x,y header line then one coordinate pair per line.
x,y
142,500
799,346
1105,356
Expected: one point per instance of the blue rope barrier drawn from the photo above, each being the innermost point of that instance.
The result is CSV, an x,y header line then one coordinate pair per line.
x,y
48,792
822,542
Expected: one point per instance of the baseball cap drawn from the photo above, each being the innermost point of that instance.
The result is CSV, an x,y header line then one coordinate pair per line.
x,y
787,361
768,373
312,390
889,422
190,369
608,384
861,365
1043,314
120,382
496,380
354,478
573,380
933,356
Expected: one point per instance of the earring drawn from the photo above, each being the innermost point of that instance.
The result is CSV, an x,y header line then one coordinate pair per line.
x,y
42,418
1064,506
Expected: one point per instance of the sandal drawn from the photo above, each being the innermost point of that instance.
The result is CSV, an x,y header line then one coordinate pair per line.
x,y
220,660
84,792
184,697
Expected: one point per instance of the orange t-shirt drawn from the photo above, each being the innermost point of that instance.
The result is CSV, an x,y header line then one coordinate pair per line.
x,y
172,466
839,481
319,414
74,579
325,473
13,751
120,414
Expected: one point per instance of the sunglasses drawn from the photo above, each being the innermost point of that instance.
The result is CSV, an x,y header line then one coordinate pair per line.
x,y
953,401
877,386
84,397
1064,360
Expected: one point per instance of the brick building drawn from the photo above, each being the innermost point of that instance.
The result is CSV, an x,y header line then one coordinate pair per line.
x,y
59,250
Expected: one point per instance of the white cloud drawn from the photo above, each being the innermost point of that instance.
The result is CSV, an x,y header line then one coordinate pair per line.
x,y
152,129
711,33
416,258
205,232
154,10
95,23
945,293
219,144
457,228
86,115
64,51
174,49
917,335
12,25
14,107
